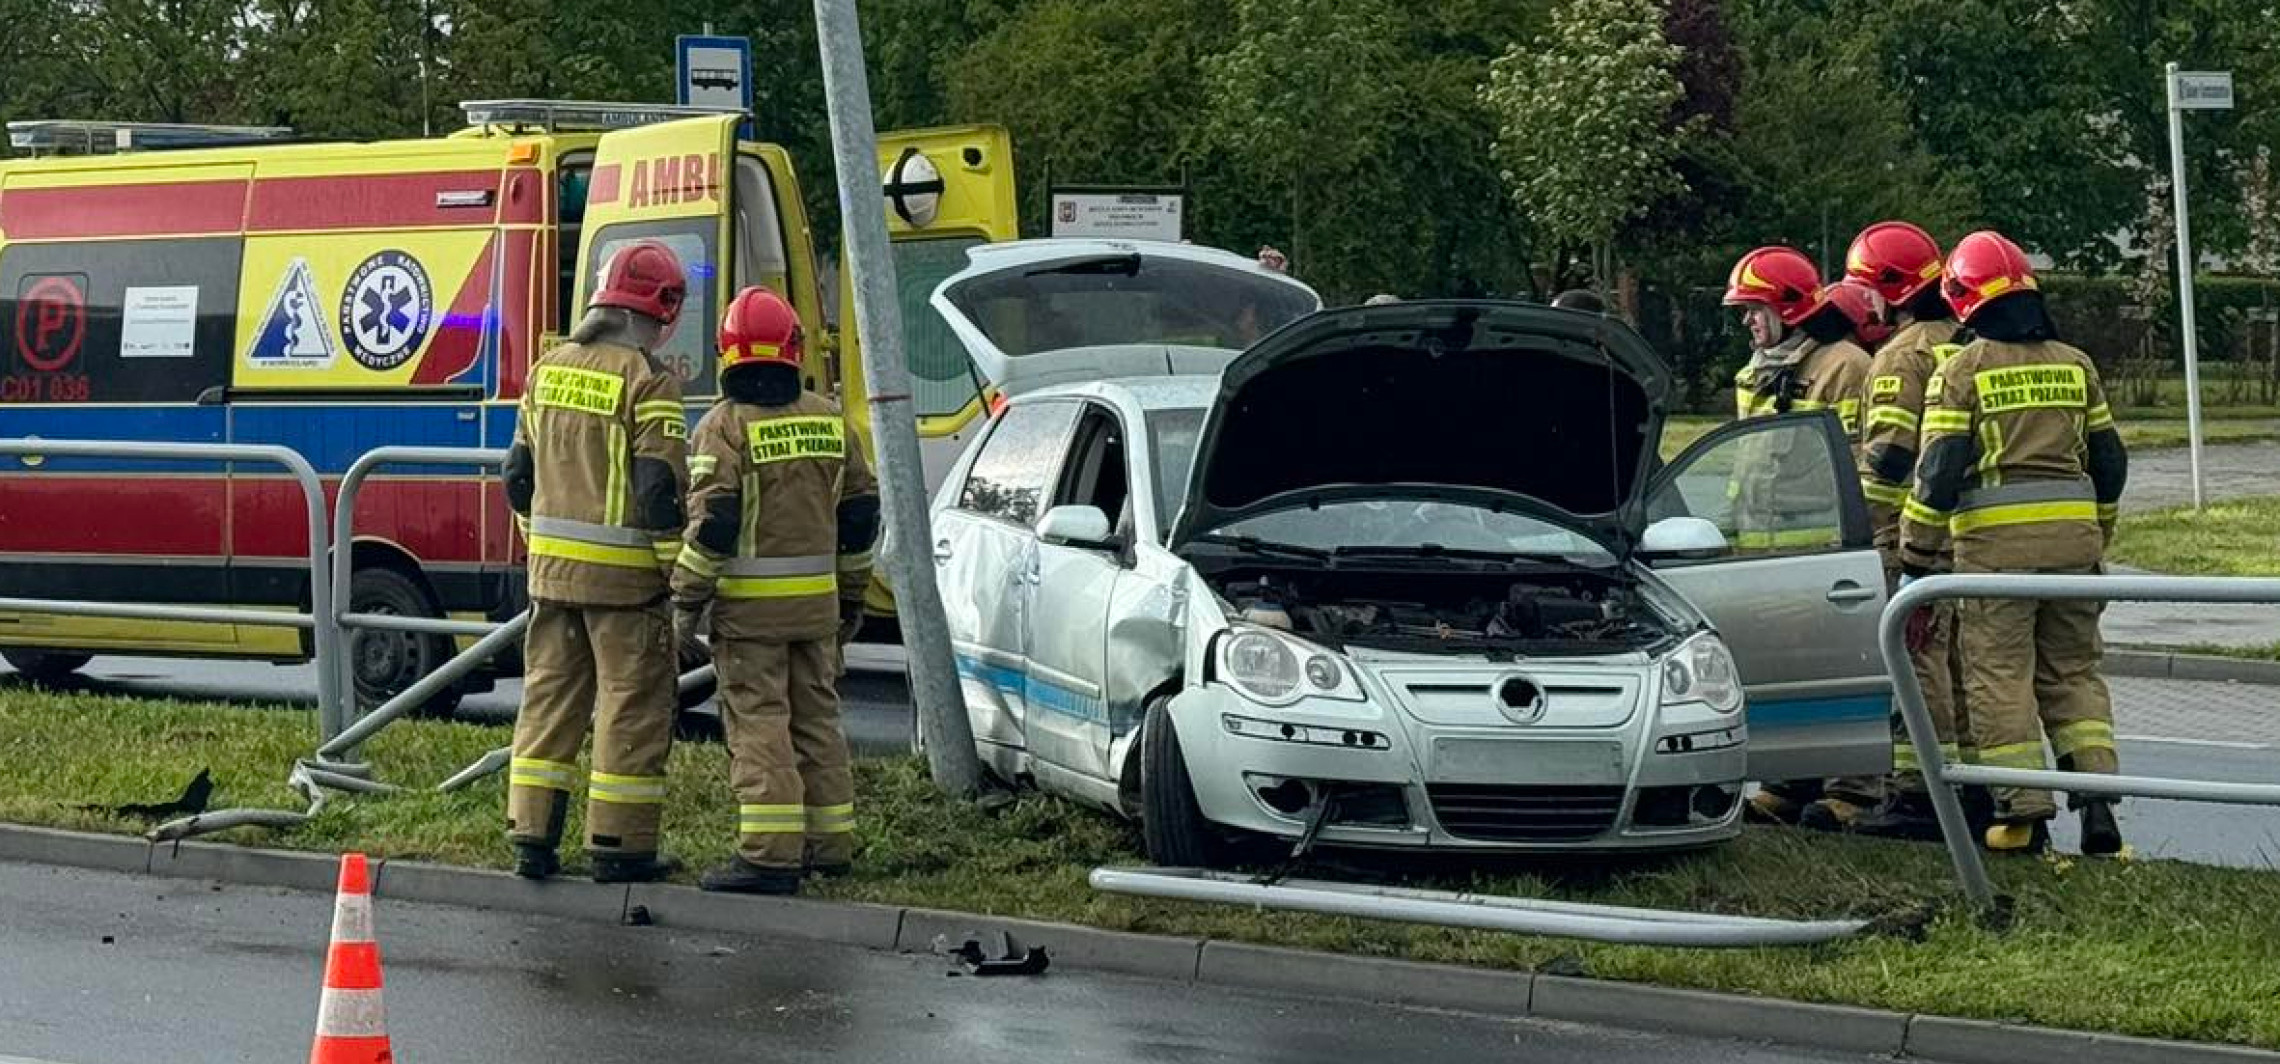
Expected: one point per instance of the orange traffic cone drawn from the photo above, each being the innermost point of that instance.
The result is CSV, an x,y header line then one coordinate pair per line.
x,y
351,1026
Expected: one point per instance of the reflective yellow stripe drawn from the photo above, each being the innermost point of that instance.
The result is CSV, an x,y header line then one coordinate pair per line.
x,y
2073,737
613,509
1990,454
2013,755
1797,537
668,550
697,561
1921,512
659,410
2109,511
1904,756
543,774
771,819
584,391
1848,412
2044,386
748,535
778,587
702,465
2101,417
786,438
830,819
1937,421
598,554
2025,513
627,790
1941,353
854,561
1898,417
1882,493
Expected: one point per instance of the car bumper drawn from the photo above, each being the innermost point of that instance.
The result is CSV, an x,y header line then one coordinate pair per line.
x,y
1398,783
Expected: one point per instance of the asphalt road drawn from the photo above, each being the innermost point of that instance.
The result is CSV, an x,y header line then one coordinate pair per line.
x,y
97,968
2167,728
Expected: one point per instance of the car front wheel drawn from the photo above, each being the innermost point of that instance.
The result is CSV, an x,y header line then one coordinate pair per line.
x,y
1171,822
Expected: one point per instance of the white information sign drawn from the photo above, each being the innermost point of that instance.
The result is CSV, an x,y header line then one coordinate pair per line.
x,y
158,322
1119,215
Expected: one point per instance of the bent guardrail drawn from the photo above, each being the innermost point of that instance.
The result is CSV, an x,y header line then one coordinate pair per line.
x,y
1941,778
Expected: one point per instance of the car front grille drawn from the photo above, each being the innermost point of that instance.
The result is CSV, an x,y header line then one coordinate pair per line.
x,y
1524,814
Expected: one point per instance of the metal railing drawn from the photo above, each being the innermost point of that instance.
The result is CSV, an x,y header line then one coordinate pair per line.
x,y
1941,778
325,637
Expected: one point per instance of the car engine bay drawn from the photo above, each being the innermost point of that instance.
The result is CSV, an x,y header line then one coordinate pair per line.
x,y
1404,609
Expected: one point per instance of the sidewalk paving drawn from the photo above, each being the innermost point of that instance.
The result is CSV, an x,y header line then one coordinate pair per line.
x,y
2162,478
2202,711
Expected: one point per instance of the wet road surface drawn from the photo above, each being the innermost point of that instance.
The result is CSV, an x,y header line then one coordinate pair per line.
x,y
97,968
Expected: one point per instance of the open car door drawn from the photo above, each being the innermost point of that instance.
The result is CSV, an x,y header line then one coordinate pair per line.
x,y
1797,596
671,182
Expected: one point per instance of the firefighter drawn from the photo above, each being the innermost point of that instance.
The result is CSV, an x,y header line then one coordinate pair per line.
x,y
782,518
2021,471
1901,264
1804,359
596,480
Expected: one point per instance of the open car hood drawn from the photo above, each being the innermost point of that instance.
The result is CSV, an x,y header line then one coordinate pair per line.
x,y
1503,405
1036,313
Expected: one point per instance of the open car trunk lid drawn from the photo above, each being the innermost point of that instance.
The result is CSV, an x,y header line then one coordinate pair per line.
x,y
1495,404
1036,313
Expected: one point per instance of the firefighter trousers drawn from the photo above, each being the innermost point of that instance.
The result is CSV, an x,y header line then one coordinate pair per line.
x,y
795,794
2031,673
613,669
1940,674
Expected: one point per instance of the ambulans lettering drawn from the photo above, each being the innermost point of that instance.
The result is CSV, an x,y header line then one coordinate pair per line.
x,y
582,390
671,179
386,310
784,439
293,335
2032,387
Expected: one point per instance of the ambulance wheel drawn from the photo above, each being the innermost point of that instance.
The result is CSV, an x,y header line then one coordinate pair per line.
x,y
45,666
389,662
1171,822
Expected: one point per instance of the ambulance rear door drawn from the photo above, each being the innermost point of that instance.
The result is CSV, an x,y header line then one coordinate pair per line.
x,y
671,182
944,190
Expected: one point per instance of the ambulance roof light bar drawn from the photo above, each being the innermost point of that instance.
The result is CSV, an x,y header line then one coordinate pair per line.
x,y
585,115
74,137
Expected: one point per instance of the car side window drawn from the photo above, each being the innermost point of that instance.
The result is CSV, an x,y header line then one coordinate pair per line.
x,y
1772,485
1095,473
1018,461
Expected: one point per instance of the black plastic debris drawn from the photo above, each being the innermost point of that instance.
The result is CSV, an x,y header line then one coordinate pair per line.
x,y
1009,957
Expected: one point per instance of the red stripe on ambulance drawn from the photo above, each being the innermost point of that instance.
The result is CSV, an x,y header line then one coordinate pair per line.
x,y
184,208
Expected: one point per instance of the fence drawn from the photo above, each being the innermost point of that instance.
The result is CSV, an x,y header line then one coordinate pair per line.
x,y
1941,778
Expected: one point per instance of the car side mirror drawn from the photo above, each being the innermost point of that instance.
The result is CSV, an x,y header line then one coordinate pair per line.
x,y
1682,538
1084,527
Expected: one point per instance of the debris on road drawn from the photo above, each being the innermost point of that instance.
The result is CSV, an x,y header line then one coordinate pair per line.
x,y
1010,958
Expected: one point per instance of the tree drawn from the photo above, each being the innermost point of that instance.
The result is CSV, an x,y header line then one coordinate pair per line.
x,y
1581,119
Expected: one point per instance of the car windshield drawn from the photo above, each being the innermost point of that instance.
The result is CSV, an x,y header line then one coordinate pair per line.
x,y
1129,298
1392,524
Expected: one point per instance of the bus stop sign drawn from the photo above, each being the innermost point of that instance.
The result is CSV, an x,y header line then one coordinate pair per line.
x,y
714,71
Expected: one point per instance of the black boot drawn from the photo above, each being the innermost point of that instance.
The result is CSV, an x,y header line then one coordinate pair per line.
x,y
2101,834
740,876
536,860
642,868
1901,816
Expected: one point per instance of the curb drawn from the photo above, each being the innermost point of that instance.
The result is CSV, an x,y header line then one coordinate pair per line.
x,y
2164,665
1197,962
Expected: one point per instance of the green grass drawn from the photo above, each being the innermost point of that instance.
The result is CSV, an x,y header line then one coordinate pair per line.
x,y
2268,652
2239,537
2148,948
2158,429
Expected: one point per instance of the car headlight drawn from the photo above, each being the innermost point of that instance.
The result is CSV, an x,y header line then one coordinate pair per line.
x,y
1702,670
1278,670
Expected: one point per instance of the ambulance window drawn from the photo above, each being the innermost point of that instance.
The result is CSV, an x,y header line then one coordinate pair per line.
x,y
573,176
760,257
690,349
117,321
942,376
